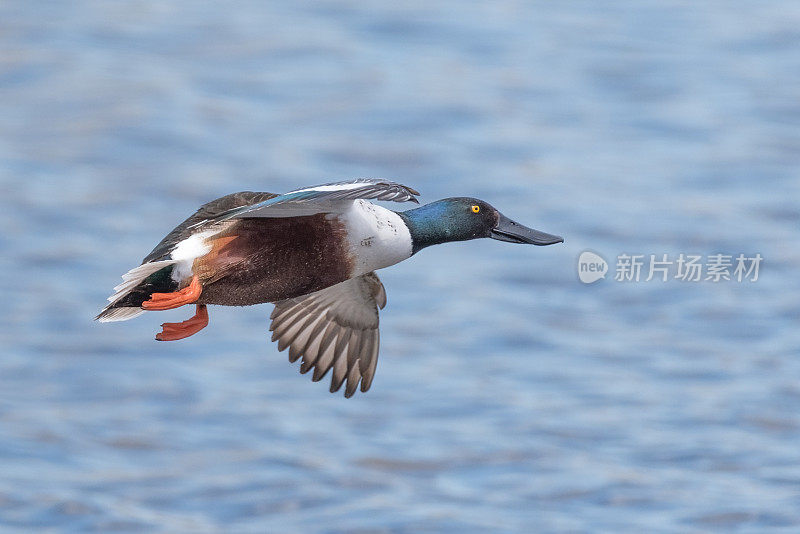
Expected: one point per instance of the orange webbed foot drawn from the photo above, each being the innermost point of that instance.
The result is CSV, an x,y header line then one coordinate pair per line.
x,y
167,301
189,327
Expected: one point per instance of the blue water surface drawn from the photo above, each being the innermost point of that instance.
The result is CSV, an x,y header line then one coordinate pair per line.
x,y
509,397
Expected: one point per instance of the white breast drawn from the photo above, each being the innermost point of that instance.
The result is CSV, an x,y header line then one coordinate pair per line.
x,y
377,237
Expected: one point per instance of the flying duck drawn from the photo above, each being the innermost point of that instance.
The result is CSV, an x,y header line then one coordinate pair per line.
x,y
313,252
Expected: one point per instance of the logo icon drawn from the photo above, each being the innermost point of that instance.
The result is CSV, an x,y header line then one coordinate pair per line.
x,y
591,267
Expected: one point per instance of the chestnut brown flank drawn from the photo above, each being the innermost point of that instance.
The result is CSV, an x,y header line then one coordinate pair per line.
x,y
268,259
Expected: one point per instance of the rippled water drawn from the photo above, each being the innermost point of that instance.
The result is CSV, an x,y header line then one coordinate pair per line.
x,y
509,396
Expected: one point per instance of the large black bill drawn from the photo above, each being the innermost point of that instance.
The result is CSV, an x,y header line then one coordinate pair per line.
x,y
508,230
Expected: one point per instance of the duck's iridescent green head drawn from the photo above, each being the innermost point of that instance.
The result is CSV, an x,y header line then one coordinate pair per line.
x,y
463,218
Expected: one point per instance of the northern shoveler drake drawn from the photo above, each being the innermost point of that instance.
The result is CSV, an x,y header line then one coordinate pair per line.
x,y
312,252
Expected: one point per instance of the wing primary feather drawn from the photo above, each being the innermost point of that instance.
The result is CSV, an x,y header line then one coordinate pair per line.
x,y
353,376
286,320
366,351
293,331
286,309
354,347
281,308
366,380
325,359
318,329
340,361
281,325
311,351
310,356
304,337
306,365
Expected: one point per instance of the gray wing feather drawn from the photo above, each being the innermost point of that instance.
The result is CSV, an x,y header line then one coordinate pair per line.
x,y
334,329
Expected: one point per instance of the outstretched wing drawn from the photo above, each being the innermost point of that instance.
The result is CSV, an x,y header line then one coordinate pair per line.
x,y
323,198
335,328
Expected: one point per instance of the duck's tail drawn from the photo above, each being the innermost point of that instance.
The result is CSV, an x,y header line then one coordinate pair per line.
x,y
111,314
136,287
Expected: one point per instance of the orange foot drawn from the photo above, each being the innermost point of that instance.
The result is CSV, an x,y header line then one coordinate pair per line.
x,y
167,301
189,327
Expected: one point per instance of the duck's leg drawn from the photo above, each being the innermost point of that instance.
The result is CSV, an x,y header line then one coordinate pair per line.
x,y
167,301
175,331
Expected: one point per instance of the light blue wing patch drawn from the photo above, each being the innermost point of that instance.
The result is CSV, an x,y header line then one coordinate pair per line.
x,y
323,199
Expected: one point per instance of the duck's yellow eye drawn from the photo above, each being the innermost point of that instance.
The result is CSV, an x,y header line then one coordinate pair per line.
x,y
475,208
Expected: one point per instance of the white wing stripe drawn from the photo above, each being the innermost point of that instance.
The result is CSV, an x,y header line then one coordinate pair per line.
x,y
336,186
